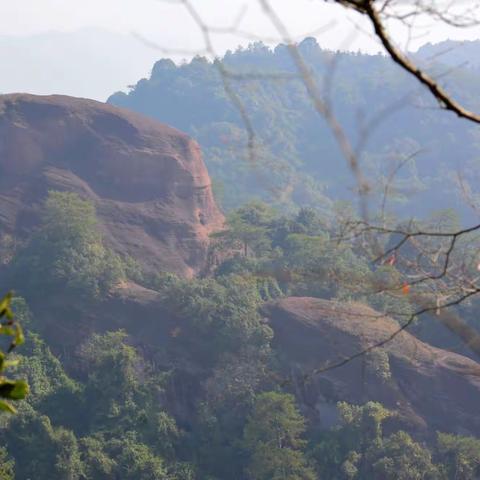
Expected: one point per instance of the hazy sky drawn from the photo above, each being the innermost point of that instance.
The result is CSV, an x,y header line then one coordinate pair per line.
x,y
94,63
169,25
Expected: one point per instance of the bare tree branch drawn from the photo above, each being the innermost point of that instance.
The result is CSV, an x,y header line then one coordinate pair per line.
x,y
367,8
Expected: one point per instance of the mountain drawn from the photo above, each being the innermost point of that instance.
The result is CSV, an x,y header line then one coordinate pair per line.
x,y
454,54
148,182
86,63
431,389
180,372
297,161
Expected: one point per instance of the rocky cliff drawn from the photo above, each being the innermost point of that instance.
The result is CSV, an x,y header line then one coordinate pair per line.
x,y
432,389
427,385
148,181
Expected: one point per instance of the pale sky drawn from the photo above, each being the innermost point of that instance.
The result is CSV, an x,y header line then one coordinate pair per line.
x,y
169,25
96,54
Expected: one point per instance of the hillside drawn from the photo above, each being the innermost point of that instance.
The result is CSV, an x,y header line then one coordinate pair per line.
x,y
297,160
144,365
433,389
148,182
454,54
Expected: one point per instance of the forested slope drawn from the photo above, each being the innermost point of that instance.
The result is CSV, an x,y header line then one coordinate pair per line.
x,y
297,161
170,364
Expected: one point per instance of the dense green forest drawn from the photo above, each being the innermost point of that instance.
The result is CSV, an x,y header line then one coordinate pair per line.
x,y
297,163
105,410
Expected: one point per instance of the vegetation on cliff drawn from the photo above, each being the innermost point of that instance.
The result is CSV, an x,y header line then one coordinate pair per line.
x,y
212,400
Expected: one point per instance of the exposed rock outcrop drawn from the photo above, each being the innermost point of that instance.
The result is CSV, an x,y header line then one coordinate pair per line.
x,y
148,181
432,389
427,385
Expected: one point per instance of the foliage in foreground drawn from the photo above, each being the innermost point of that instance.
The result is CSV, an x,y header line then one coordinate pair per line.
x,y
10,390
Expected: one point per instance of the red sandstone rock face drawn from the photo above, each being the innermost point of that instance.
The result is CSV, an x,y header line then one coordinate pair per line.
x,y
431,388
428,386
148,181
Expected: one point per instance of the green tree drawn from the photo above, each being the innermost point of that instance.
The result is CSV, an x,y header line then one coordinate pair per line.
x,y
22,312
122,393
363,424
459,456
135,460
50,386
7,465
343,452
247,228
113,384
10,390
401,458
310,221
222,312
68,462
272,435
98,463
42,450
67,251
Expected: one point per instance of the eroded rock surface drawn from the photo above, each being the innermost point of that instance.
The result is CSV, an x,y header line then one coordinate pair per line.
x,y
148,181
427,385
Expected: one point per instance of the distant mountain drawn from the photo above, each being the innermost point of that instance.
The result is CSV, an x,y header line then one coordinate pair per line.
x,y
455,54
297,161
87,63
